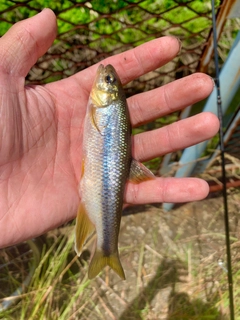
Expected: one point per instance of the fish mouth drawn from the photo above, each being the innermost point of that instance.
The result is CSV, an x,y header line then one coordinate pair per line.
x,y
103,72
100,68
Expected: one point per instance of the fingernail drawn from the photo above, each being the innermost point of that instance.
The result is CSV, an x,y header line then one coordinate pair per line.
x,y
180,44
213,81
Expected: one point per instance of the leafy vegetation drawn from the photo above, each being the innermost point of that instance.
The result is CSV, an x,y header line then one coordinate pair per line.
x,y
122,13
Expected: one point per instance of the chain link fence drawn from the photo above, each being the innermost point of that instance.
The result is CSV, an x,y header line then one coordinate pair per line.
x,y
89,31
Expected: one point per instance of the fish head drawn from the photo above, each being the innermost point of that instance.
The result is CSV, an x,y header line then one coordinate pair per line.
x,y
107,87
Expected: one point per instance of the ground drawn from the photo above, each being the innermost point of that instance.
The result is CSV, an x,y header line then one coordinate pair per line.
x,y
175,262
175,266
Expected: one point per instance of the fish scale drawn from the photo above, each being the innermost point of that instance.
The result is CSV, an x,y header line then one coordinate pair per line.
x,y
106,165
107,209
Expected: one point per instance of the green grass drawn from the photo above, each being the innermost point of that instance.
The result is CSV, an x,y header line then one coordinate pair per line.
x,y
57,286
157,266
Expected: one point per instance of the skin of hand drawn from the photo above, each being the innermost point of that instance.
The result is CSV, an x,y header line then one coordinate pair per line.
x,y
41,130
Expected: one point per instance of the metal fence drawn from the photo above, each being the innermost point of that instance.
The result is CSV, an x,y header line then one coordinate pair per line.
x,y
92,30
89,31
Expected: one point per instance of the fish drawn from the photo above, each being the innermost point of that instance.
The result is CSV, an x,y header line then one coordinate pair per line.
x,y
106,166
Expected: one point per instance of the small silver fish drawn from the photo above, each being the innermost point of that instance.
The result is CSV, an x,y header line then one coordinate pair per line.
x,y
106,166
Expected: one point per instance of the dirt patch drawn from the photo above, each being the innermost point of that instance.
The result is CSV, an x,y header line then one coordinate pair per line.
x,y
172,262
175,266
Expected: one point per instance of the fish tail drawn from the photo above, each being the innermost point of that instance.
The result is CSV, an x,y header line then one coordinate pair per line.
x,y
99,261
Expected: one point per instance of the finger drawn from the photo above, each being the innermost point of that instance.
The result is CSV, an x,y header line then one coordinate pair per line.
x,y
136,62
174,190
173,96
26,41
149,56
176,136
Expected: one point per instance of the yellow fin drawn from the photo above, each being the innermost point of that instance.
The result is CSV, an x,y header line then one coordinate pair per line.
x,y
99,261
83,229
139,173
82,168
93,118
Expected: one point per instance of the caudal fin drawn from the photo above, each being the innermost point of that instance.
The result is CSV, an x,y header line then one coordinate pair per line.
x,y
99,261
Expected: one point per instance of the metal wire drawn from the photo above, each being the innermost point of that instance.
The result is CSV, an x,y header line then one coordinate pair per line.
x,y
225,202
90,31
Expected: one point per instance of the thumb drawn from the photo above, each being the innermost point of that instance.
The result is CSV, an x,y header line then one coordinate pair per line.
x,y
25,42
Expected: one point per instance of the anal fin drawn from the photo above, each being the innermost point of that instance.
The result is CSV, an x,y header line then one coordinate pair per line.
x,y
83,229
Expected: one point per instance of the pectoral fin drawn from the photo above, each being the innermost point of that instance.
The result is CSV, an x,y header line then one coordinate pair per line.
x,y
139,173
83,229
94,120
82,169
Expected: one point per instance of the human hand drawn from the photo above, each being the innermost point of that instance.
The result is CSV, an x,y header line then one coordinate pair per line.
x,y
41,130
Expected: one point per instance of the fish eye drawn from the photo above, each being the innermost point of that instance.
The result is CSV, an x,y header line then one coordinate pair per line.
x,y
110,78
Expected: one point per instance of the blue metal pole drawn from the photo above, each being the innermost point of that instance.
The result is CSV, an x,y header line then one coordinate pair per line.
x,y
230,79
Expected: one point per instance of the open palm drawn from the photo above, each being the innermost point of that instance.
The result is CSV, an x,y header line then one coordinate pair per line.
x,y
41,130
